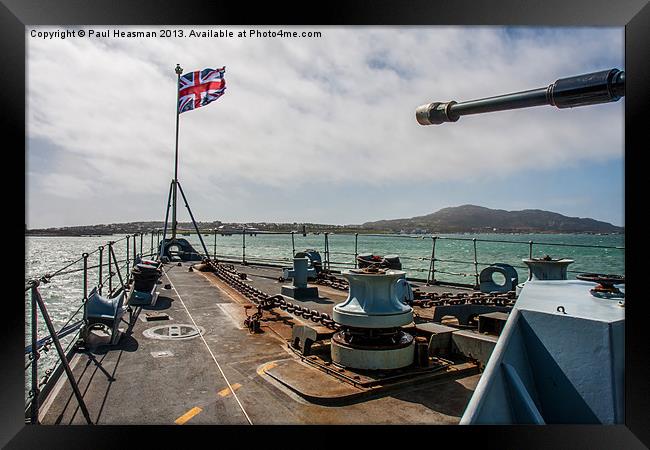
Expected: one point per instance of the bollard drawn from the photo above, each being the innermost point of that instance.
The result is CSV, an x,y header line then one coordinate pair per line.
x,y
300,273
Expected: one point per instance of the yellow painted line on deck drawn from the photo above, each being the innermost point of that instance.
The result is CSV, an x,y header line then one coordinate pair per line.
x,y
226,392
188,415
248,419
262,370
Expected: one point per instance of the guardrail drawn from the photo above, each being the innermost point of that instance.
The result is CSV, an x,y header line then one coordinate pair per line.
x,y
431,260
107,269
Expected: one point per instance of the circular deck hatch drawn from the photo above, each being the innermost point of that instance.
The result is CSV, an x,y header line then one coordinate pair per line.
x,y
176,331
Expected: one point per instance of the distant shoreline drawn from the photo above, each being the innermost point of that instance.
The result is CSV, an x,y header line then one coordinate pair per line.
x,y
465,219
70,235
360,232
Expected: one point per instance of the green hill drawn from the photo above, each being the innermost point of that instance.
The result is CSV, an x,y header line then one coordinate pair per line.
x,y
471,218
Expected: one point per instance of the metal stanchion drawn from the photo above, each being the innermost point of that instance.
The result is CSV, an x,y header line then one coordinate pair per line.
x,y
85,256
243,245
127,252
110,274
101,263
35,356
475,265
431,276
62,356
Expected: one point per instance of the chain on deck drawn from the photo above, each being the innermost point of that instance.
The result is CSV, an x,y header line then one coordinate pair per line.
x,y
265,301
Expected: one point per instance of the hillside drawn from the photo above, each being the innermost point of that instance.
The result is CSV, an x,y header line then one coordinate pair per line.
x,y
471,218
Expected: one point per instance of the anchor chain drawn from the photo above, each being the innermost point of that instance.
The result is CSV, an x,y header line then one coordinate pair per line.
x,y
325,278
264,301
431,299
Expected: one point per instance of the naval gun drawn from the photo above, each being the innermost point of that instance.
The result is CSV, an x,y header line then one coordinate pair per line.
x,y
580,90
560,357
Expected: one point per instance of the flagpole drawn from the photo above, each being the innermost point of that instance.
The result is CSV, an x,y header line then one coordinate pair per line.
x,y
179,71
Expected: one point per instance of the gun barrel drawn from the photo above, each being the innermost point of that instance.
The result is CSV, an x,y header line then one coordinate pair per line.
x,y
581,90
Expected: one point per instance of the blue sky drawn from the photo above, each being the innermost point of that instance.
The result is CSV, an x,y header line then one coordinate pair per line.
x,y
321,129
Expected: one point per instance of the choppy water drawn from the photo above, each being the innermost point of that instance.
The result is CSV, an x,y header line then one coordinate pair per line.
x,y
454,259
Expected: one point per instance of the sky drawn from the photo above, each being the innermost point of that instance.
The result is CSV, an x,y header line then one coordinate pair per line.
x,y
318,129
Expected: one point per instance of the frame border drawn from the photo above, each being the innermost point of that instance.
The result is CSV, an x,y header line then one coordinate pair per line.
x,y
15,15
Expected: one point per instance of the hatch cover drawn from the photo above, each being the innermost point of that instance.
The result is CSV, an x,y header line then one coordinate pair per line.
x,y
177,331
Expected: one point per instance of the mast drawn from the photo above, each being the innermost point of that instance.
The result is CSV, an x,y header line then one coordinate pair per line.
x,y
179,71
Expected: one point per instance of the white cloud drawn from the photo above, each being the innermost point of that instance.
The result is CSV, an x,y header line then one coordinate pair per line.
x,y
66,186
338,108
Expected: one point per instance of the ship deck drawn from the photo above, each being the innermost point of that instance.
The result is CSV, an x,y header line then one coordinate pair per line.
x,y
229,376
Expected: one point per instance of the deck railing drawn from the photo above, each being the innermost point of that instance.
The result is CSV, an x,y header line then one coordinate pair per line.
x,y
107,269
431,261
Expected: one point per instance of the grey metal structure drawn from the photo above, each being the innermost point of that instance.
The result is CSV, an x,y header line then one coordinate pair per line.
x,y
370,317
580,90
486,278
104,311
560,359
299,273
547,268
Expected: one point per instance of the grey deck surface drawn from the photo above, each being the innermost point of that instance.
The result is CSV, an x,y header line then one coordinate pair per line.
x,y
126,384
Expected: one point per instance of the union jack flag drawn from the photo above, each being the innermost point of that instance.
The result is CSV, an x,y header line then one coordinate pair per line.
x,y
196,89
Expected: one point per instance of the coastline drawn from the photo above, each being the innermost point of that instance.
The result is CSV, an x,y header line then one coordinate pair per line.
x,y
347,231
